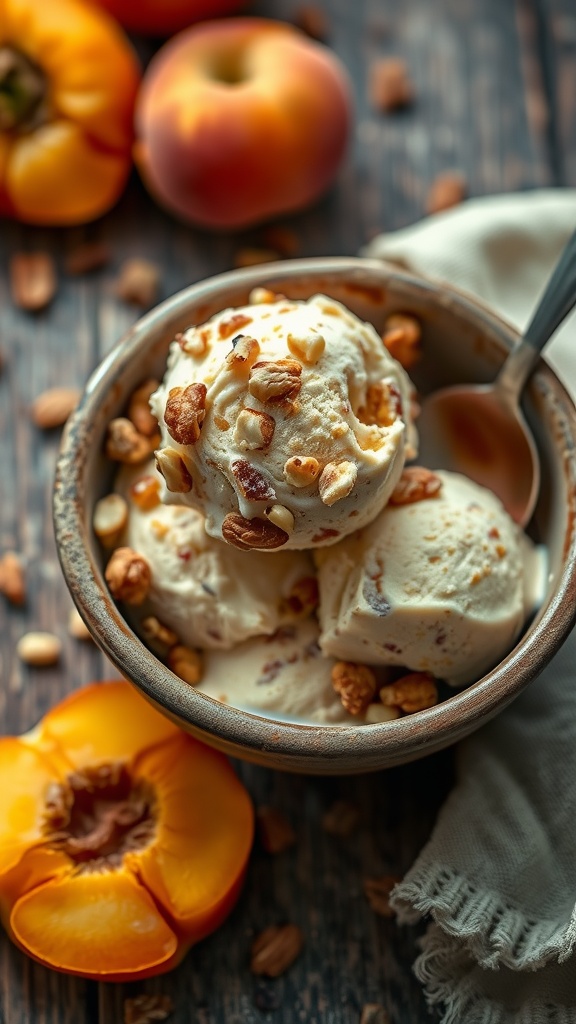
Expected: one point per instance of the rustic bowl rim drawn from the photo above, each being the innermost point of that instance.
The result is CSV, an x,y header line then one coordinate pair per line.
x,y
254,736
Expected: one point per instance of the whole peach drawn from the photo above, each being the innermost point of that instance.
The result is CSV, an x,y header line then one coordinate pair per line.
x,y
164,17
240,120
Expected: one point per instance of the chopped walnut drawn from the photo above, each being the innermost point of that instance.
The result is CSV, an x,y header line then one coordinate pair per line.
x,y
336,481
390,86
275,831
156,632
402,337
243,355
275,381
109,519
301,470
185,663
252,533
308,349
254,430
128,576
138,282
124,443
139,410
413,692
12,581
251,484
194,341
448,189
275,949
415,484
356,685
172,467
303,596
377,892
234,323
383,405
145,492
184,413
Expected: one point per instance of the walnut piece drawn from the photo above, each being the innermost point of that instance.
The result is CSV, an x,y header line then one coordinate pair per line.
x,y
356,685
402,337
254,430
12,581
184,413
301,470
415,484
139,410
128,576
234,323
186,663
138,282
244,354
336,481
145,492
308,349
156,632
109,518
275,381
252,533
383,405
390,86
251,484
124,443
275,831
275,949
413,692
172,467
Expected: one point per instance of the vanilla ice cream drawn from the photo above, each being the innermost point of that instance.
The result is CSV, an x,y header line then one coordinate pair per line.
x,y
442,585
285,423
210,594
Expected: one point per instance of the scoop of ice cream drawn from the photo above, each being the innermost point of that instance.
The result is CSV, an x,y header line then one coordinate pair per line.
x,y
283,422
210,594
284,675
438,584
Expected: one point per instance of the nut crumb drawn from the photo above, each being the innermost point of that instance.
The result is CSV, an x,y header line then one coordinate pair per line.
x,y
336,481
185,663
128,576
275,831
145,492
156,632
87,257
53,407
275,381
341,819
147,1009
275,949
402,337
171,466
243,355
39,649
109,519
301,470
12,580
356,685
33,280
415,484
184,413
124,443
413,692
448,189
254,430
139,411
138,282
390,86
377,892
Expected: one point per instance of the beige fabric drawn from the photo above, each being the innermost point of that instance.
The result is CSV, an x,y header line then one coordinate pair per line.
x,y
497,879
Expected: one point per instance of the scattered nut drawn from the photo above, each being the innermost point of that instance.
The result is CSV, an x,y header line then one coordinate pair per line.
x,y
377,892
342,819
185,663
234,324
12,581
447,189
415,484
147,1008
303,596
251,256
336,481
301,471
32,280
138,282
184,413
390,86
145,492
402,337
312,20
109,518
252,533
373,1013
139,410
259,296
251,484
156,632
128,576
77,627
124,443
254,430
243,355
376,713
275,831
413,692
194,341
52,407
40,649
275,381
172,467
383,405
281,517
86,257
356,685
308,349
275,949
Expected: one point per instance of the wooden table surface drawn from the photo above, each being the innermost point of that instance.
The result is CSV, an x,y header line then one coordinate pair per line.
x,y
496,99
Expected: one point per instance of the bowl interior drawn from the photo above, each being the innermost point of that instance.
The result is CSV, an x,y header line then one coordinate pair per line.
x,y
462,341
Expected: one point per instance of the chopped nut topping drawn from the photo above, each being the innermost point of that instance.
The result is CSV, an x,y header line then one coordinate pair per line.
x,y
53,407
128,576
156,632
12,581
275,381
275,949
356,685
184,413
251,484
413,692
303,597
109,518
139,410
221,423
390,86
251,256
39,649
376,713
308,349
415,484
32,280
252,533
87,256
124,443
447,189
259,296
254,430
138,282
244,354
172,467
336,481
301,470
147,1008
145,492
234,323
377,892
185,663
77,627
341,819
275,831
280,516
194,341
383,405
402,337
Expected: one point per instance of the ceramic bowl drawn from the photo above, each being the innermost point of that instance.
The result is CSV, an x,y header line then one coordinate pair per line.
x,y
463,341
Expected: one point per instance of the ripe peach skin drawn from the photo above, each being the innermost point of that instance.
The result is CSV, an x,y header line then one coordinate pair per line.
x,y
164,17
240,120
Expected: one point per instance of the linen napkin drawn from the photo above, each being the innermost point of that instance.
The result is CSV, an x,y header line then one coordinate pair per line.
x,y
497,880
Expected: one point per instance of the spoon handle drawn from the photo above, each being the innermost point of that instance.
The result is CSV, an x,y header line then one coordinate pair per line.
x,y
558,299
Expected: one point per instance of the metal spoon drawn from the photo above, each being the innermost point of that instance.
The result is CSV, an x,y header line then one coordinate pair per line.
x,y
479,430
